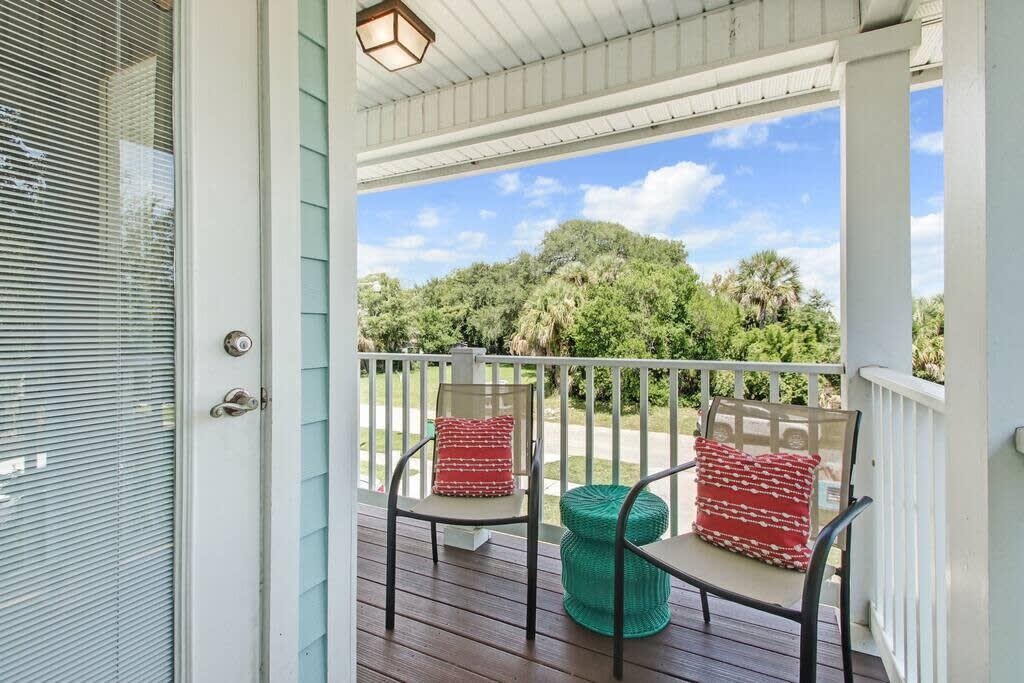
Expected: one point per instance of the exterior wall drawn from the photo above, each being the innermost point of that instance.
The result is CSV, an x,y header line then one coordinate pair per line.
x,y
315,402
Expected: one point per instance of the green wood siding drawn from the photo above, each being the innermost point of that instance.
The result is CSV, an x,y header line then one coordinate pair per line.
x,y
314,193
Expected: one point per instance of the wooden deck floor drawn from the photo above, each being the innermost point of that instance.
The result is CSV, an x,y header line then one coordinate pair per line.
x,y
462,621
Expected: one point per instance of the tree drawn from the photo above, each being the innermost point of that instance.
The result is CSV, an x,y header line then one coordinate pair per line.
x,y
545,320
928,327
587,241
385,310
768,284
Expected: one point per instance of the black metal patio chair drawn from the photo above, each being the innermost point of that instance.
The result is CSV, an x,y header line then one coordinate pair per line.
x,y
755,427
479,401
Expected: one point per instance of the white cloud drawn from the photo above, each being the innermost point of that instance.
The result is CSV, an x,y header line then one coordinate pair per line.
x,y
805,198
708,270
470,240
652,203
786,147
741,137
927,254
744,170
529,233
819,268
487,214
428,218
407,242
543,186
509,183
756,226
928,143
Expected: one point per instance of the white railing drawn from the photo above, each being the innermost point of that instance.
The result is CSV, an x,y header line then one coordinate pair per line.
x,y
566,432
908,612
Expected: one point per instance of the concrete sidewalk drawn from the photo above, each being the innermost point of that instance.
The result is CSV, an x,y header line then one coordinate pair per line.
x,y
629,440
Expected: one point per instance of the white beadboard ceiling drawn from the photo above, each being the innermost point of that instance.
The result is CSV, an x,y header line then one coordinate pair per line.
x,y
484,37
510,82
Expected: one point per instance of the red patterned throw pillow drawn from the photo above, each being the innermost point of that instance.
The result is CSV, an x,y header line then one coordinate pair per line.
x,y
474,457
759,506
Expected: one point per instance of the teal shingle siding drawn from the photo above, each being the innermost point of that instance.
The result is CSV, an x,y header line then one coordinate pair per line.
x,y
314,193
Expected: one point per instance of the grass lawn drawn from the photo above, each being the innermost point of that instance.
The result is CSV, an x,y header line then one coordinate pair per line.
x,y
629,472
657,415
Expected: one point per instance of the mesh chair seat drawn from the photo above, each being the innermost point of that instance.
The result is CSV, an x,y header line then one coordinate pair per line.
x,y
455,507
730,571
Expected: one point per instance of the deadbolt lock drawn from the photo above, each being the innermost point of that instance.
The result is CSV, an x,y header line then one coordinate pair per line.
x,y
237,343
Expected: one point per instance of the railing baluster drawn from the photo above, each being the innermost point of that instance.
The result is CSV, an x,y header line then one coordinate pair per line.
x,y
563,444
738,389
773,397
880,500
371,435
910,596
405,422
441,376
813,390
590,424
673,449
517,373
540,421
616,418
644,401
899,500
705,396
925,544
495,373
424,475
389,397
890,512
939,556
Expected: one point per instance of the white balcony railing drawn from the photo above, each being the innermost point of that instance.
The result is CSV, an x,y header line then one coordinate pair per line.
x,y
908,610
617,444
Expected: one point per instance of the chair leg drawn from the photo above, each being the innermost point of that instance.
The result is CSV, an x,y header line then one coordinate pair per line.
x,y
389,610
809,644
704,606
620,606
532,533
433,539
844,618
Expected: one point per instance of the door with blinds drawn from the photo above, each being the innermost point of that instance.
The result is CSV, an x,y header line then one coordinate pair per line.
x,y
129,249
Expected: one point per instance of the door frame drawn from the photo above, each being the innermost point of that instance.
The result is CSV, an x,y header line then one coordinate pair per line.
x,y
280,237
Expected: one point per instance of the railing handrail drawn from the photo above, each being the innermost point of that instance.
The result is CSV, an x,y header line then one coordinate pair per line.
x,y
919,390
649,363
429,357
669,364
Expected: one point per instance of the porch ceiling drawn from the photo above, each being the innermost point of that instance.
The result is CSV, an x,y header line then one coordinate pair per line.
x,y
515,83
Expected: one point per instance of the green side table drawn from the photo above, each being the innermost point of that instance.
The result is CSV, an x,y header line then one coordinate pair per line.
x,y
590,515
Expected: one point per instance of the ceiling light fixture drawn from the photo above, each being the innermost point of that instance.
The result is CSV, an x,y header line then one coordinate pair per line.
x,y
392,35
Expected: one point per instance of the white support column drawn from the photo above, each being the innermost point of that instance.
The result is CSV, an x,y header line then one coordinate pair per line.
x,y
466,370
874,80
984,95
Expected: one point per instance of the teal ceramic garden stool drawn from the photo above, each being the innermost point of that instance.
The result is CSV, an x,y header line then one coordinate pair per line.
x,y
590,514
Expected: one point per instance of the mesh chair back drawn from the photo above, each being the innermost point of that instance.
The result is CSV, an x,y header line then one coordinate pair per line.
x,y
481,401
756,428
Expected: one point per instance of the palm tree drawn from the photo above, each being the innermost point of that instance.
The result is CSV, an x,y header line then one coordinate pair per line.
x,y
545,319
767,283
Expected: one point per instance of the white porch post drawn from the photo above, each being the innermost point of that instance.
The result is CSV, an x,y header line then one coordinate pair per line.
x,y
984,95
466,370
874,79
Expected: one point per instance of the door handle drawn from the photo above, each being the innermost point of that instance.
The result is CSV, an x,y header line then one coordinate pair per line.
x,y
236,402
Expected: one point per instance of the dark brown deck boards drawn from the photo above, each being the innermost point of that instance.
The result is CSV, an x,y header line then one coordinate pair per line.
x,y
463,621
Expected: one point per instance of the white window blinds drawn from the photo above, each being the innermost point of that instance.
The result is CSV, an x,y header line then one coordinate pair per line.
x,y
87,323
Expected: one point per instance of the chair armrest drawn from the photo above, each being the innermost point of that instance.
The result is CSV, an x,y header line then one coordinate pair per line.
x,y
627,505
400,468
822,546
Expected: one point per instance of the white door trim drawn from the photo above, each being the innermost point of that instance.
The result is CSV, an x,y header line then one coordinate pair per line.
x,y
184,477
343,436
282,366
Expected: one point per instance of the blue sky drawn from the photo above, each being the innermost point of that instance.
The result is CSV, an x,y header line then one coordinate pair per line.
x,y
725,195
